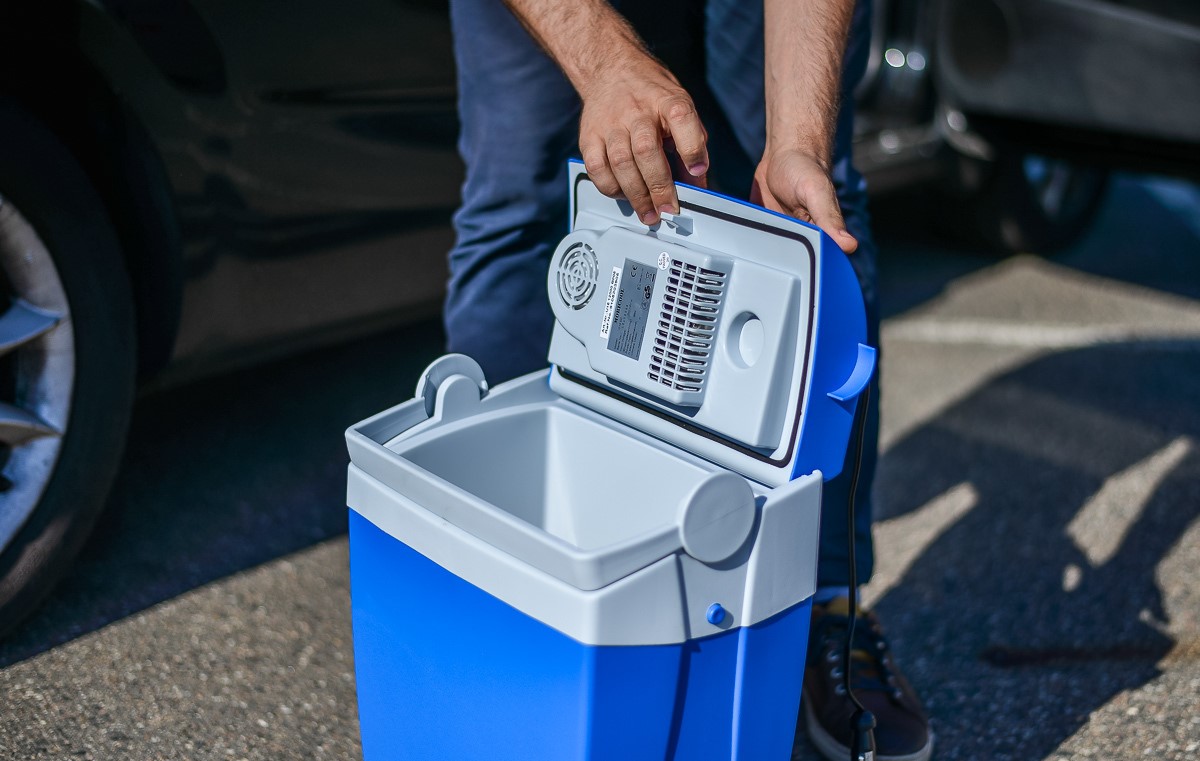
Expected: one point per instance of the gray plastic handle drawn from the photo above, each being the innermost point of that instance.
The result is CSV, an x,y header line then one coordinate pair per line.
x,y
444,368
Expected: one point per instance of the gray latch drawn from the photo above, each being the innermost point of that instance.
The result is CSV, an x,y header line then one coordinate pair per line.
x,y
680,224
444,368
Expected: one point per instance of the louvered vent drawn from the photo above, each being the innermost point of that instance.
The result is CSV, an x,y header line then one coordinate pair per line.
x,y
577,271
683,343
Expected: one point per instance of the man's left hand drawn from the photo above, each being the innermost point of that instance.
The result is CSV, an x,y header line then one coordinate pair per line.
x,y
795,183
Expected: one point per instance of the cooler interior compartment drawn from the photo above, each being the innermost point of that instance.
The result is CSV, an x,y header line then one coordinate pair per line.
x,y
578,479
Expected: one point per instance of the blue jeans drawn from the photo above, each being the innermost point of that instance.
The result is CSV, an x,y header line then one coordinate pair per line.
x,y
520,121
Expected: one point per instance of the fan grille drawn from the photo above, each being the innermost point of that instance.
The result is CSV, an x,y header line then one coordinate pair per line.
x,y
577,271
686,327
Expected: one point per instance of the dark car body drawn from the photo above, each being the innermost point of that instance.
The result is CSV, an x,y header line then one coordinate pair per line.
x,y
279,174
1116,81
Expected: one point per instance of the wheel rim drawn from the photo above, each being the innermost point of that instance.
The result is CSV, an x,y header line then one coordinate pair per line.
x,y
37,369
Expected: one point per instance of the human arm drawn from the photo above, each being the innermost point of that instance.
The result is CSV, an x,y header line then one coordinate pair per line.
x,y
631,104
804,45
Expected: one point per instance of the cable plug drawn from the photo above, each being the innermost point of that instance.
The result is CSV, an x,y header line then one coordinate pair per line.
x,y
862,742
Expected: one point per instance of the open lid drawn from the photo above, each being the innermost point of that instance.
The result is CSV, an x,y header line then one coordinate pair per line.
x,y
728,330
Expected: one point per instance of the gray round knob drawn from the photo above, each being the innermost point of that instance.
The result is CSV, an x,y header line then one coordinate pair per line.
x,y
716,517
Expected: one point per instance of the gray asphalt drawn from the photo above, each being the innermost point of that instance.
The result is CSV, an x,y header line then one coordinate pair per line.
x,y
1038,497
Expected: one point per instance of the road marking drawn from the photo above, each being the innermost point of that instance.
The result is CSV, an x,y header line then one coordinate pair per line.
x,y
1034,335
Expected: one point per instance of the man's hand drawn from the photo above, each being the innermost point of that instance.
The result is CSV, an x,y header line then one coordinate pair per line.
x,y
634,110
792,182
804,45
627,118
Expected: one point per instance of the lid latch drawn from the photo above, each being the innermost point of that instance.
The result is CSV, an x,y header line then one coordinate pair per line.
x,y
451,378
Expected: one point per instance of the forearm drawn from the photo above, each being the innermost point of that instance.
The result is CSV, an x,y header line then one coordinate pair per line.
x,y
586,38
804,45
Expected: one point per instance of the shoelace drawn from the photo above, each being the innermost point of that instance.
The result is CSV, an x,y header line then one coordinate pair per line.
x,y
869,667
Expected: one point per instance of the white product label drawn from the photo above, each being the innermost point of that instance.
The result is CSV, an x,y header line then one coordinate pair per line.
x,y
663,260
633,308
610,302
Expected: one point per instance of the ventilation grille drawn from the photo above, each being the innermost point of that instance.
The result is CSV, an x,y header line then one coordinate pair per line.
x,y
683,343
577,270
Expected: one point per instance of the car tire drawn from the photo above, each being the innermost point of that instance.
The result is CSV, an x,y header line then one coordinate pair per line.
x,y
1023,202
67,360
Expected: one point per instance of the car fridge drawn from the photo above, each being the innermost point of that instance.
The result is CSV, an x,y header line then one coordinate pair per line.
x,y
614,558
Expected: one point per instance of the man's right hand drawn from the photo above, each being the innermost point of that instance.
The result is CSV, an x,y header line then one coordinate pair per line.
x,y
634,110
631,116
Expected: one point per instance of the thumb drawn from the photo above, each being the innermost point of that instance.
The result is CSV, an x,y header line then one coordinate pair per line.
x,y
826,213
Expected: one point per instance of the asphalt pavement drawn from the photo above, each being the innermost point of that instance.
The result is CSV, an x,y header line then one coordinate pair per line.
x,y
1038,534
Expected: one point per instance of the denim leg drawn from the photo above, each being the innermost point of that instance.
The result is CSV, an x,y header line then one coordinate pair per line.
x,y
734,33
519,118
733,45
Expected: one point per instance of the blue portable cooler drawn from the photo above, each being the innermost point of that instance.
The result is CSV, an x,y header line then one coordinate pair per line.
x,y
614,560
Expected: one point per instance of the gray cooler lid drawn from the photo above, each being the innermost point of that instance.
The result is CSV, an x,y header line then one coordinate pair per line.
x,y
727,330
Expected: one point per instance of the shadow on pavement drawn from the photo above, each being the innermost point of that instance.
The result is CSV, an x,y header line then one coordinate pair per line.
x,y
917,259
225,474
1043,598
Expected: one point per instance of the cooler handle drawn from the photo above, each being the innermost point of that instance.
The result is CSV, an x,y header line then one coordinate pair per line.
x,y
860,377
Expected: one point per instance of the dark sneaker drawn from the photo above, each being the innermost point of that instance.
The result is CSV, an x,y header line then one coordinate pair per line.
x,y
901,728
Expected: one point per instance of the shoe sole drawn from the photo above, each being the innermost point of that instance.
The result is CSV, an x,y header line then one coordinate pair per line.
x,y
833,750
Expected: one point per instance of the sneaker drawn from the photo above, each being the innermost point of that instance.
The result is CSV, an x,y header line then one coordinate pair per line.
x,y
901,727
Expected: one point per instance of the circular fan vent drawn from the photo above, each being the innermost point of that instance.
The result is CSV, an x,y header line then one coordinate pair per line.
x,y
577,272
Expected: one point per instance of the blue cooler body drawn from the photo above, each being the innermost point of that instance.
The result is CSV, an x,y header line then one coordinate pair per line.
x,y
614,559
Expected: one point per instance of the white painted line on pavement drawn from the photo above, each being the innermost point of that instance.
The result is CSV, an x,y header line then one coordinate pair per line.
x,y
1035,335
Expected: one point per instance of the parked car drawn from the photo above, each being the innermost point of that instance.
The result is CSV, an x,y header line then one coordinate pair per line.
x,y
187,185
1017,109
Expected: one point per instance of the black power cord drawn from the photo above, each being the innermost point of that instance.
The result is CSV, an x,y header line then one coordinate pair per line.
x,y
862,732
